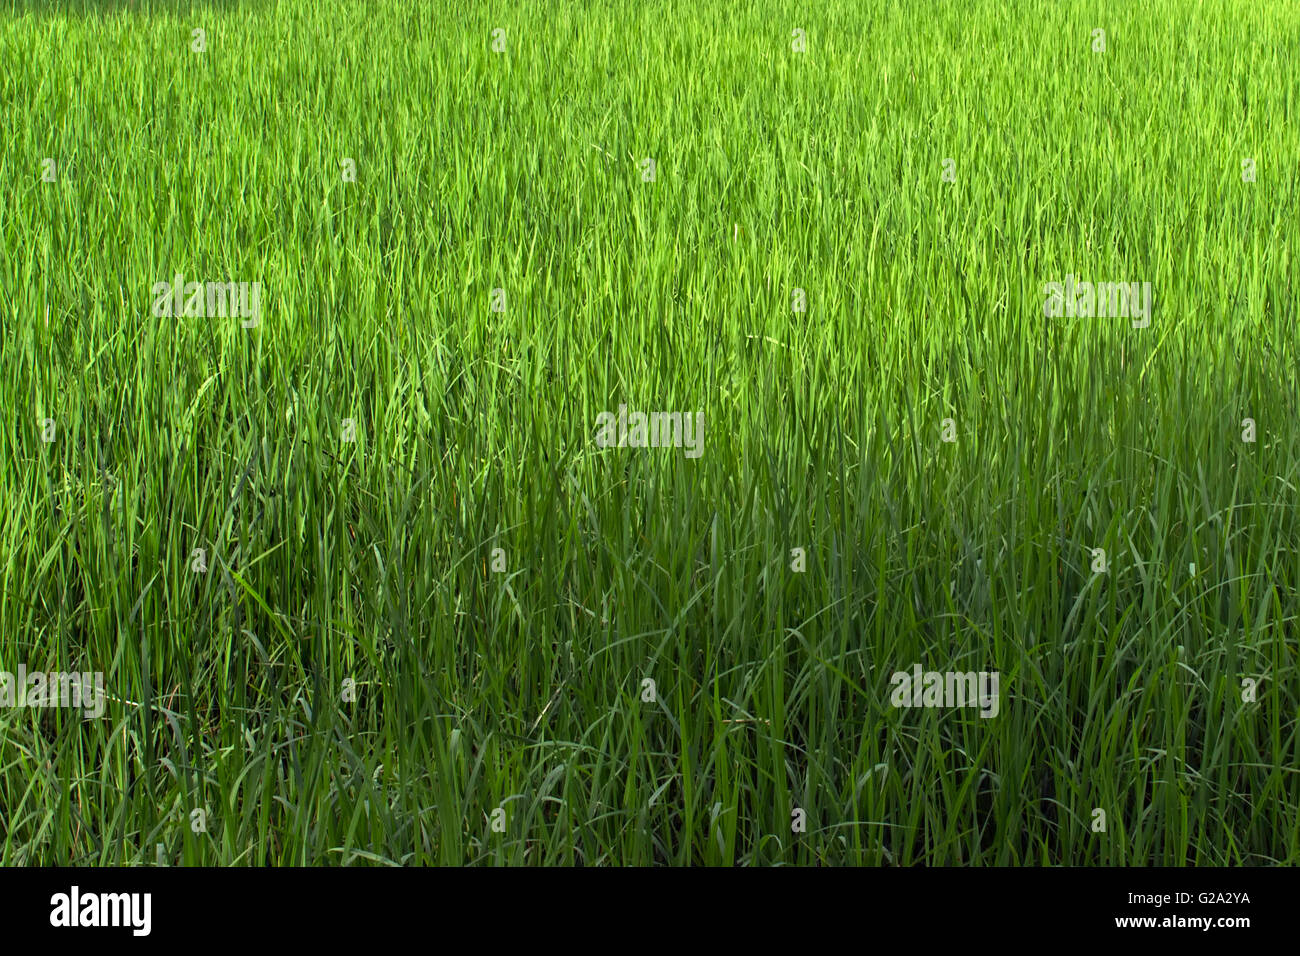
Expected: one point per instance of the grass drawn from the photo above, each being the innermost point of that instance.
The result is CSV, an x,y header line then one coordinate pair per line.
x,y
350,681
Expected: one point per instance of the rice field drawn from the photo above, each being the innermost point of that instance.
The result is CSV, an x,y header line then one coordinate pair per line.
x,y
864,433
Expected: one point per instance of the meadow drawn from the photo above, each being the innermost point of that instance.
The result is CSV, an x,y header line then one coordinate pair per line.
x,y
364,586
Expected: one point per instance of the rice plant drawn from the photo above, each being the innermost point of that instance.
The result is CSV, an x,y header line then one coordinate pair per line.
x,y
654,434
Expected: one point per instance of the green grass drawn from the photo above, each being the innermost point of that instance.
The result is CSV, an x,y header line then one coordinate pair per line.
x,y
775,170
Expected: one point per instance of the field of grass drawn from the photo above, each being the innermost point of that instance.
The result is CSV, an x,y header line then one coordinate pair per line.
x,y
348,671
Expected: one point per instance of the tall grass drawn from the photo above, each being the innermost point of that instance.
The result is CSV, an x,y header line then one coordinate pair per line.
x,y
372,561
